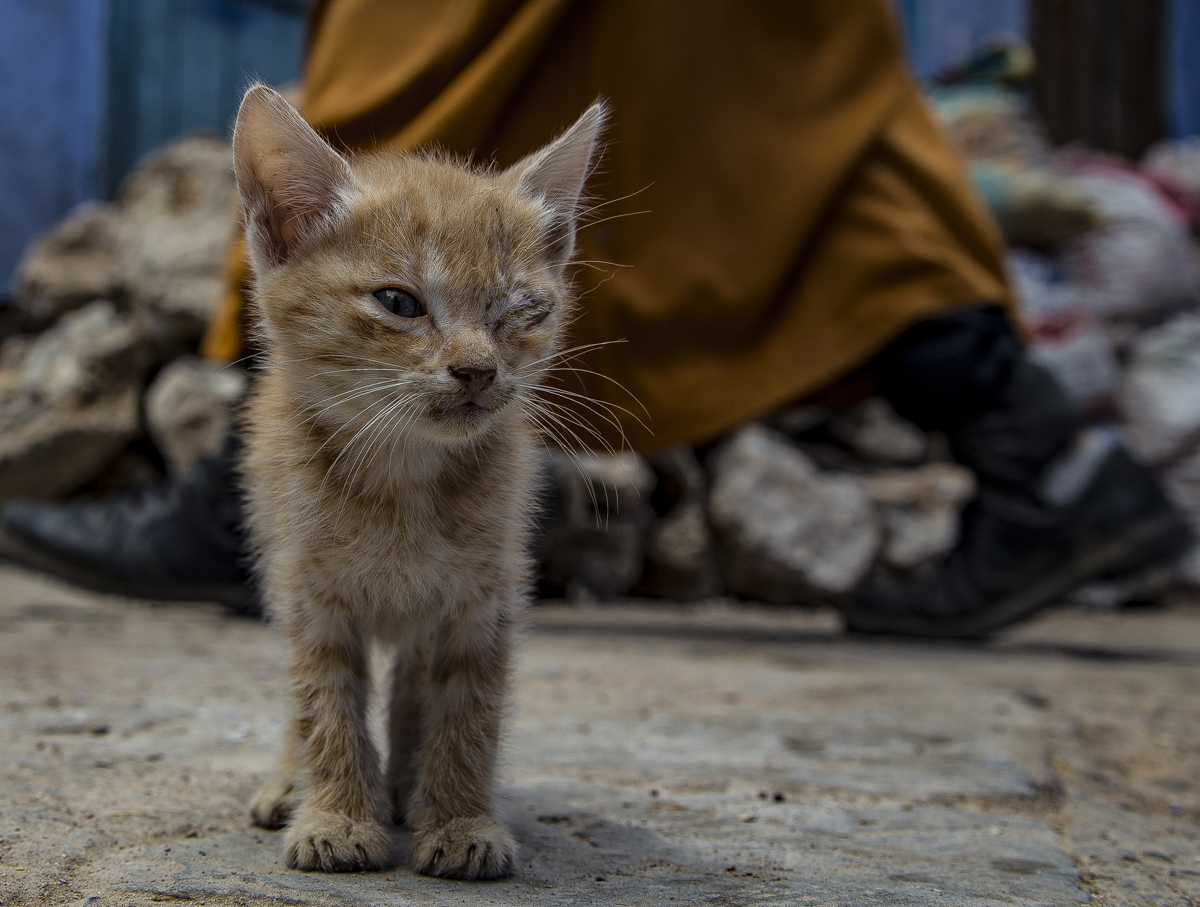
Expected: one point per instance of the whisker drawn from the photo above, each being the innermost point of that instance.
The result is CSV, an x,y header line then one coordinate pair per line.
x,y
605,220
589,402
564,411
565,448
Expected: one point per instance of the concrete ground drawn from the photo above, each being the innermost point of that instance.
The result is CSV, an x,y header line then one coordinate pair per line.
x,y
718,754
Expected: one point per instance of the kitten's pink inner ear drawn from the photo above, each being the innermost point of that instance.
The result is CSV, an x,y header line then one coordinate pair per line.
x,y
558,172
289,178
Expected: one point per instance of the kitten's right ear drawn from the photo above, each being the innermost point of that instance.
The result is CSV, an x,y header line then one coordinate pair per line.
x,y
290,180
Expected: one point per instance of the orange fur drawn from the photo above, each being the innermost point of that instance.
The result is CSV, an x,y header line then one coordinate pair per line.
x,y
390,469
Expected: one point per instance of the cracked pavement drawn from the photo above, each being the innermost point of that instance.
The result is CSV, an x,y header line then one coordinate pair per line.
x,y
719,754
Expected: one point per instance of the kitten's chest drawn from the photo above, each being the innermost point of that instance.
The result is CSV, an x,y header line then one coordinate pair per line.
x,y
450,538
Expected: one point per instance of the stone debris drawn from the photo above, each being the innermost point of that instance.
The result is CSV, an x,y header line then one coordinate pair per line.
x,y
680,551
75,262
178,212
159,248
874,432
1142,262
1160,393
69,400
102,300
189,409
920,510
1182,481
1178,162
594,523
785,531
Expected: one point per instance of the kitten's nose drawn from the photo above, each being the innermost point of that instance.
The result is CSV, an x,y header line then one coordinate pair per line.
x,y
473,380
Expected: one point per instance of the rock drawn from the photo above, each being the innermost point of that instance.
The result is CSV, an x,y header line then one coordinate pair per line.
x,y
77,261
594,525
794,421
54,452
189,406
785,531
1069,339
1142,263
874,432
1181,480
84,353
1179,161
69,400
126,286
159,249
680,552
920,509
178,212
1160,393
1081,356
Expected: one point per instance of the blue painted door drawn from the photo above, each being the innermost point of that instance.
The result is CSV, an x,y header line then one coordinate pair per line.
x,y
51,77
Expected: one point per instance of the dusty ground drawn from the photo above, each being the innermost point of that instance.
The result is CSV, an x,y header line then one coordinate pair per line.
x,y
712,755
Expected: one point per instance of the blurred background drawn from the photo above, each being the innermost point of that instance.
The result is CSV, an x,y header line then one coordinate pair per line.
x,y
1079,120
87,87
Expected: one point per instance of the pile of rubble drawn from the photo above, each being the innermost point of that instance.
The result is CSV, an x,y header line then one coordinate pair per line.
x,y
1105,262
100,388
796,508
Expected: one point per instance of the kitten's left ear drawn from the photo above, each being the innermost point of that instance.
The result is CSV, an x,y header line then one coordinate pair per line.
x,y
556,174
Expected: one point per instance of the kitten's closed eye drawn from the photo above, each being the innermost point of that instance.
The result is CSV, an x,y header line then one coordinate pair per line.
x,y
400,302
529,311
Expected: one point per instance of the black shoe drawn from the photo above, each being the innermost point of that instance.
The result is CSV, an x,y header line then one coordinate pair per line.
x,y
1017,555
178,541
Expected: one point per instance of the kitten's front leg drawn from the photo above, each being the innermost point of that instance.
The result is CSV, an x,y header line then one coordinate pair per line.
x,y
451,812
340,825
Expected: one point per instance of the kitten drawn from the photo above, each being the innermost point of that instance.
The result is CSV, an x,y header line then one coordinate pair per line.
x,y
407,305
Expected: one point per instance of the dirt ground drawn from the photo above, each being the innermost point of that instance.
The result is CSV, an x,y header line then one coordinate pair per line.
x,y
714,754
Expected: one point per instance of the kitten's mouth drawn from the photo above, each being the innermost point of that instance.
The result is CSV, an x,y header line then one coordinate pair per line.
x,y
466,409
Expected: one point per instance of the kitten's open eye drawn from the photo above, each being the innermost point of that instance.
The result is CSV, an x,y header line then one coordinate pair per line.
x,y
400,302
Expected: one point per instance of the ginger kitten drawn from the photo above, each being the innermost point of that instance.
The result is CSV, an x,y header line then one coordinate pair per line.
x,y
407,305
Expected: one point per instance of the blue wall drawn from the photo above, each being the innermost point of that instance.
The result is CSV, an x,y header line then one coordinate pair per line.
x,y
88,87
51,65
942,32
1183,68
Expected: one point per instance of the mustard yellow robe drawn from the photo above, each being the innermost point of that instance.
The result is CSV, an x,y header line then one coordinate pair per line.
x,y
800,206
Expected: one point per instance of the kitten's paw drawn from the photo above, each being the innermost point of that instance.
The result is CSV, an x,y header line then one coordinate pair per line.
x,y
474,848
275,802
331,842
